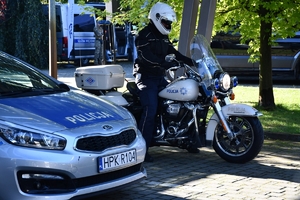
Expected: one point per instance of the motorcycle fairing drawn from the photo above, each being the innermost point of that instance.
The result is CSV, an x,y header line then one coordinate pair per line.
x,y
241,110
181,89
238,109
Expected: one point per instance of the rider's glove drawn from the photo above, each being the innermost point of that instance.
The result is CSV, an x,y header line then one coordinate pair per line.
x,y
167,65
181,64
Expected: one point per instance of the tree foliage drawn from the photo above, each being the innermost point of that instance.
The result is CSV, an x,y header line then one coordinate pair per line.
x,y
137,12
24,32
260,23
246,16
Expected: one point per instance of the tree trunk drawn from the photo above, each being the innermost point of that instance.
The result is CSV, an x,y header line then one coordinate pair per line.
x,y
266,96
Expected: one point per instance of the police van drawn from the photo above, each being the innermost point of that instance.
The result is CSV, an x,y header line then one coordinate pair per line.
x,y
121,40
84,40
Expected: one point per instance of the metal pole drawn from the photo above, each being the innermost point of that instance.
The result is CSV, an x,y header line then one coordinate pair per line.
x,y
52,40
188,23
112,7
206,20
187,30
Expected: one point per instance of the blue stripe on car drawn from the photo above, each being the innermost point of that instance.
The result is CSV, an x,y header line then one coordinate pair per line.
x,y
67,109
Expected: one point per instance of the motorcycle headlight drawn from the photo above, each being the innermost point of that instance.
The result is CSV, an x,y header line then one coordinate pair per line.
x,y
225,81
31,138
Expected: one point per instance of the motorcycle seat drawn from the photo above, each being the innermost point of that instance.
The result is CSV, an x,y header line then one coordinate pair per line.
x,y
132,88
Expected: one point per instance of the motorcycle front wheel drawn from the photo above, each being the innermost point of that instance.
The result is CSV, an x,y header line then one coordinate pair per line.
x,y
247,143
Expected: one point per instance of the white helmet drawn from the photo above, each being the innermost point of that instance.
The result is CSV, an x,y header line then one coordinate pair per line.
x,y
162,15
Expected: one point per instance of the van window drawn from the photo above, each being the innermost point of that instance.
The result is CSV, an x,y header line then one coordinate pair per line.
x,y
58,24
83,23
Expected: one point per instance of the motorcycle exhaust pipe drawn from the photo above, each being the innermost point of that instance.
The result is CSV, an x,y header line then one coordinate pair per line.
x,y
162,128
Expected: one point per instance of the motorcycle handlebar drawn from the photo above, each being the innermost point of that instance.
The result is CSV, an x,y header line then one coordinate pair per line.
x,y
174,68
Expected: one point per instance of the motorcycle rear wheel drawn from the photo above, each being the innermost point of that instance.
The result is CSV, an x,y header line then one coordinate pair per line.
x,y
247,144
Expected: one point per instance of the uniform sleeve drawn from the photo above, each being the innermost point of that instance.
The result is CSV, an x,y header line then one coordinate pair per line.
x,y
145,54
98,31
181,57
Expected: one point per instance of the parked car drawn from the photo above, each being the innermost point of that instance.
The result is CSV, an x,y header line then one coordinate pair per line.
x,y
59,142
233,56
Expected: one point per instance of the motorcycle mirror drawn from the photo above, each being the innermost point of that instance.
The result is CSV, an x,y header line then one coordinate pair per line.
x,y
170,57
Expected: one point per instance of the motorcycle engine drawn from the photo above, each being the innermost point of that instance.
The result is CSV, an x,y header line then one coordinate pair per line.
x,y
175,117
173,109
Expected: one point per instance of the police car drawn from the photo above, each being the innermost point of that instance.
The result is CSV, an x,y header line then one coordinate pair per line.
x,y
58,142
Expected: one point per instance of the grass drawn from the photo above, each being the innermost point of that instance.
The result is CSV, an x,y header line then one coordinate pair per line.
x,y
285,118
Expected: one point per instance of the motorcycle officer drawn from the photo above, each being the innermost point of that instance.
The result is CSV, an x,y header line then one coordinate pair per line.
x,y
153,44
98,31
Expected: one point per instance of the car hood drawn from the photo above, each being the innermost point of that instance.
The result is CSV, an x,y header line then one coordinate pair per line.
x,y
61,111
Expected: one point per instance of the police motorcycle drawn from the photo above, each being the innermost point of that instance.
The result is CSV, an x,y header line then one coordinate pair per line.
x,y
195,108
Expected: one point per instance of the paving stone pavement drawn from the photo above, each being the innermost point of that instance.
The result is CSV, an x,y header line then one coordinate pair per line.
x,y
177,175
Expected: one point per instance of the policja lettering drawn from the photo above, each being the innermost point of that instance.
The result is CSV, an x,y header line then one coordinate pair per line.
x,y
84,117
172,90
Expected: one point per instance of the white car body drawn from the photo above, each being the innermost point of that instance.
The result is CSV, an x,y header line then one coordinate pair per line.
x,y
63,145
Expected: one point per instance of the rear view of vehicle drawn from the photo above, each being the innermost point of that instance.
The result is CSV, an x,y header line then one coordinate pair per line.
x,y
84,41
124,41
84,38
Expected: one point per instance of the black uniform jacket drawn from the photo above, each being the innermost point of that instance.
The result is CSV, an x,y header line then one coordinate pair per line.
x,y
152,48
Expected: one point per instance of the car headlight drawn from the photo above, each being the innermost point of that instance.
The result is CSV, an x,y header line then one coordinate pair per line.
x,y
225,81
31,138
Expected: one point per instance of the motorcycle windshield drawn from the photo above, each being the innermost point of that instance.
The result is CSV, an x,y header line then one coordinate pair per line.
x,y
203,58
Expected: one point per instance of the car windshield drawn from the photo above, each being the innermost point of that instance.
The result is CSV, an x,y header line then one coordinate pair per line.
x,y
20,79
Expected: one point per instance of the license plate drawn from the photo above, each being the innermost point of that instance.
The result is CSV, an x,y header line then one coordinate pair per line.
x,y
117,160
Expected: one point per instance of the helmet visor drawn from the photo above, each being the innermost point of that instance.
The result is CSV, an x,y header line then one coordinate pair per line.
x,y
166,23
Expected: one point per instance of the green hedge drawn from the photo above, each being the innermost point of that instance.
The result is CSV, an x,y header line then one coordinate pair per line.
x,y
24,32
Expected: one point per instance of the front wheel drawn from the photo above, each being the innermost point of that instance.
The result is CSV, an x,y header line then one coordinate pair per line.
x,y
247,143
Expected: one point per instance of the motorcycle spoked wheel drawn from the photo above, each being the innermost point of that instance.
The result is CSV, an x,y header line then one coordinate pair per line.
x,y
247,144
